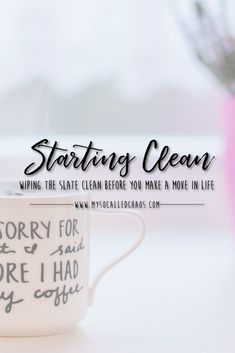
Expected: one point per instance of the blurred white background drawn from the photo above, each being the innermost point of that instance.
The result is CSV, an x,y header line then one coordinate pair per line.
x,y
106,66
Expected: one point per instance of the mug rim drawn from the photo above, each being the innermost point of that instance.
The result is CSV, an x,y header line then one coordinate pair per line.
x,y
10,190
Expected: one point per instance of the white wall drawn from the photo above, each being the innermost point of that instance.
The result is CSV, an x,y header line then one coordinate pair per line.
x,y
101,66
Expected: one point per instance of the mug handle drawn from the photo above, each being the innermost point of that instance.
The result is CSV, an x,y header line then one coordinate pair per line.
x,y
137,242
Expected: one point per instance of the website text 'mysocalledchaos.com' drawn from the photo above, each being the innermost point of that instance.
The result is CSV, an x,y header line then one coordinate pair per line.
x,y
117,204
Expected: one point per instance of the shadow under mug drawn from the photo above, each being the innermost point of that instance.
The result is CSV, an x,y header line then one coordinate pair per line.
x,y
44,266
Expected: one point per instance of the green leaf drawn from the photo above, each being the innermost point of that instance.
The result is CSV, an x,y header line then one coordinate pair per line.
x,y
199,9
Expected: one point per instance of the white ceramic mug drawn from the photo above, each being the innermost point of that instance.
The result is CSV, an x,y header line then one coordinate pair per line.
x,y
44,263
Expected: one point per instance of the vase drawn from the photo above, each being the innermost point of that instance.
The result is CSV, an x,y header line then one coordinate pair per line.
x,y
229,151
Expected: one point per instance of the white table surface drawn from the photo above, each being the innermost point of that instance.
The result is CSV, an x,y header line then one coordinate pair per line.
x,y
176,294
